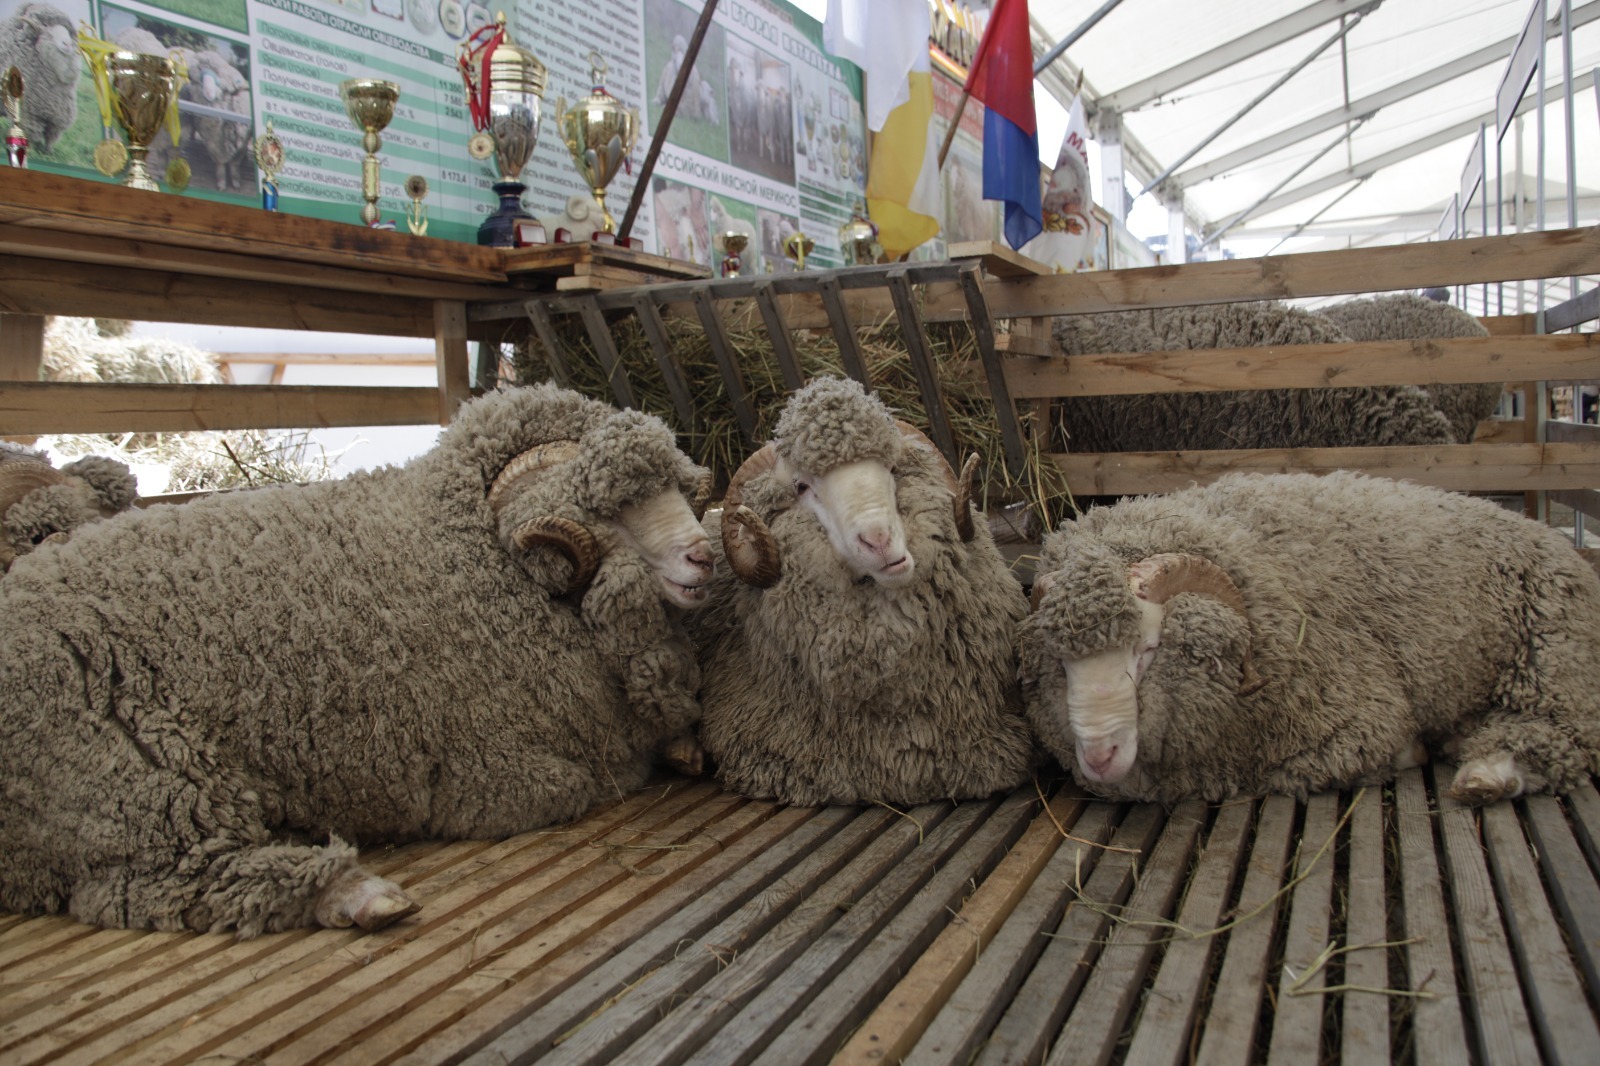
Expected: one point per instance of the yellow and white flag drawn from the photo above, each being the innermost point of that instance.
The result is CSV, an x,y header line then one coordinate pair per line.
x,y
903,175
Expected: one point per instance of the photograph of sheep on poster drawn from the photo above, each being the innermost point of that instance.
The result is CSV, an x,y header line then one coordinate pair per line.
x,y
760,112
682,228
59,114
700,124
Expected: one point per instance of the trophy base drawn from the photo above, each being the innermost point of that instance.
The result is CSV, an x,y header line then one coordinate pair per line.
x,y
499,230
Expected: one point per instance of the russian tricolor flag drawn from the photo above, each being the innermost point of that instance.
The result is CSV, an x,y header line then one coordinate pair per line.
x,y
1001,76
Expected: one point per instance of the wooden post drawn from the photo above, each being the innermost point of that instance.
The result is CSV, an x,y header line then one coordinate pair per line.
x,y
21,352
450,353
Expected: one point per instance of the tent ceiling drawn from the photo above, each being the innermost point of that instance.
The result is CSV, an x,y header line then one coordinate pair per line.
x,y
1423,74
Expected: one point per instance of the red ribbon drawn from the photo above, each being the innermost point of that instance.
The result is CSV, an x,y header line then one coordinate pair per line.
x,y
477,52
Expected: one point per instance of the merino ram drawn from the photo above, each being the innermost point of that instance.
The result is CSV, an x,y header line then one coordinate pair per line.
x,y
1291,633
479,643
1270,418
862,648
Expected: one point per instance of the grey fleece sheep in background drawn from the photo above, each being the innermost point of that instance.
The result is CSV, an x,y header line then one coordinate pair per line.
x,y
39,502
479,643
1291,633
1404,317
863,647
39,40
1271,418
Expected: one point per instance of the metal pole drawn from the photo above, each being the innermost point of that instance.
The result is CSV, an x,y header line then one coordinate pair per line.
x,y
1242,215
1302,226
665,121
1274,87
1072,38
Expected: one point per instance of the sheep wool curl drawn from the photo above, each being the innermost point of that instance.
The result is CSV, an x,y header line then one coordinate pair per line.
x,y
1272,418
40,503
1406,316
1379,614
828,689
205,701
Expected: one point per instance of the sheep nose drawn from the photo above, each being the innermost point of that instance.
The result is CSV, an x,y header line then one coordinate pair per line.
x,y
1100,761
875,540
699,557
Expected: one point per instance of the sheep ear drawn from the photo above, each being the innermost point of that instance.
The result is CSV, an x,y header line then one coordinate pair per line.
x,y
566,537
963,501
749,545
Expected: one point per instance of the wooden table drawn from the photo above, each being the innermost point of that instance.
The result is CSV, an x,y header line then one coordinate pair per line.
x,y
69,246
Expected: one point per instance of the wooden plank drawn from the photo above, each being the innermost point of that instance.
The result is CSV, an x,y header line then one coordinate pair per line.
x,y
906,1011
605,349
763,935
927,375
450,353
1507,467
778,333
326,358
538,312
732,377
965,1020
1025,344
535,1000
1308,366
1297,1023
1582,308
257,268
74,407
1045,998
522,868
999,393
1510,325
751,1007
1556,430
1565,1022
1365,1034
1548,254
1169,1014
844,331
171,296
1585,501
561,259
870,972
1437,1030
21,347
1584,803
1571,883
379,1016
655,331
1229,1027
1108,999
34,199
998,259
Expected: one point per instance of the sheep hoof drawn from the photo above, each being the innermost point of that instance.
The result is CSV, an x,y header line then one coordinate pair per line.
x,y
1487,780
685,755
361,899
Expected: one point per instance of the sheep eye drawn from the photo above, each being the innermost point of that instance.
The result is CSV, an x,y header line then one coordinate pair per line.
x,y
801,488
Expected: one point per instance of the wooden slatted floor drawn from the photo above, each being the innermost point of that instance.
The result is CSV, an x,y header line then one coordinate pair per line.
x,y
685,924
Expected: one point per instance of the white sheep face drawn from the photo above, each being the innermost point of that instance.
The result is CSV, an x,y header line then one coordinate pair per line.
x,y
855,504
665,533
1103,701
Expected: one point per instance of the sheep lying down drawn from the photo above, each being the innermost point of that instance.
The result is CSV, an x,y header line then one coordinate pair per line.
x,y
1292,633
202,703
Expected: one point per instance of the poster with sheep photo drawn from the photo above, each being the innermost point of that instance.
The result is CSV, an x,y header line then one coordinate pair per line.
x,y
701,121
59,113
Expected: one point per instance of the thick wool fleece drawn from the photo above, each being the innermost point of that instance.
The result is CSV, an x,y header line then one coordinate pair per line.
x,y
99,486
1379,613
1274,418
182,687
1406,316
833,421
826,689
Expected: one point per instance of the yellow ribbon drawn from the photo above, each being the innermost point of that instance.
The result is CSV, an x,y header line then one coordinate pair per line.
x,y
95,52
180,78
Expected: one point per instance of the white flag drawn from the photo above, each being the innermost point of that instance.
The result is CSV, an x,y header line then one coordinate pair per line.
x,y
1068,202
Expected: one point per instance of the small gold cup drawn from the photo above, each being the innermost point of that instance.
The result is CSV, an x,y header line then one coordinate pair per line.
x,y
734,242
797,247
143,88
370,104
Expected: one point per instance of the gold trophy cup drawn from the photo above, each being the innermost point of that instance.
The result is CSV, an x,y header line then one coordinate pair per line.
x,y
370,104
734,242
600,132
858,240
797,247
144,95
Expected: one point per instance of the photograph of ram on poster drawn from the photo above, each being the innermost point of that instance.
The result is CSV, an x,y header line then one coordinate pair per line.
x,y
769,129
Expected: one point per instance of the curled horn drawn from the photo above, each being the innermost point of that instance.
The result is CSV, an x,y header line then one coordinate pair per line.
x,y
746,541
18,477
1042,583
1161,577
566,537
960,488
525,465
702,496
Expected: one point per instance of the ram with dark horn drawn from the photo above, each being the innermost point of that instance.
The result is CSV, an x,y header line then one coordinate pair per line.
x,y
209,703
861,646
1293,633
